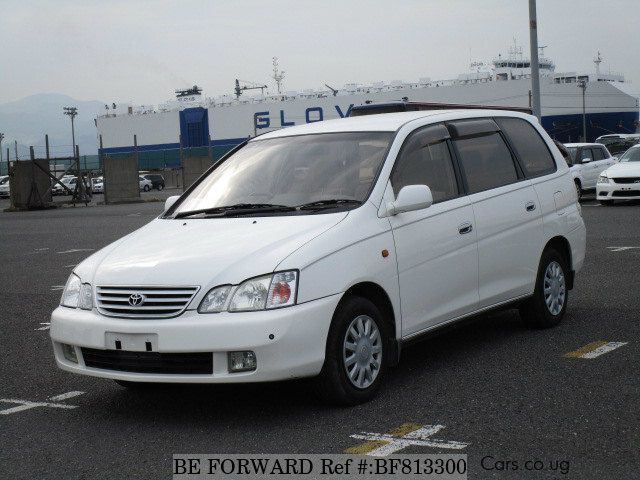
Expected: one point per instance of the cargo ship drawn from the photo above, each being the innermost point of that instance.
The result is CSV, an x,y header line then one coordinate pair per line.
x,y
191,120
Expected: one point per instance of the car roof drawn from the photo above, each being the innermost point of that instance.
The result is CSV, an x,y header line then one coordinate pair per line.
x,y
387,122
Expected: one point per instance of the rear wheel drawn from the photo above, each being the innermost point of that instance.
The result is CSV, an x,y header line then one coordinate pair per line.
x,y
356,354
606,203
548,304
160,187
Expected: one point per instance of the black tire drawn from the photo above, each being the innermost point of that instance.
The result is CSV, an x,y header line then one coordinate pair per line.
x,y
160,187
606,203
146,188
535,311
578,189
333,384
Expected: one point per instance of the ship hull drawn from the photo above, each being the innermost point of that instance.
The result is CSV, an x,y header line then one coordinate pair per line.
x,y
160,135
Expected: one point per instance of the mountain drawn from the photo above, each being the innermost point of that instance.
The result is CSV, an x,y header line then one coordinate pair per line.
x,y
28,120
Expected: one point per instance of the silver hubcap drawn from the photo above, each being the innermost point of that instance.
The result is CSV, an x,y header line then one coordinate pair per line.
x,y
362,351
554,288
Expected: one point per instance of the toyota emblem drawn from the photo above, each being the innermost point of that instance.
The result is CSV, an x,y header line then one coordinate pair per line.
x,y
136,299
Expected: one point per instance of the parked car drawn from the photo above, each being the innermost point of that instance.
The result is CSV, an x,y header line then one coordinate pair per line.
x,y
145,184
319,250
157,180
69,181
618,143
622,180
4,186
97,185
588,161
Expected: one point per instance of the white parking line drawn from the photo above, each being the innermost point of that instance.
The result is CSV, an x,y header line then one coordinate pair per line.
x,y
27,404
594,349
64,396
70,266
621,249
384,444
74,250
57,287
607,347
46,326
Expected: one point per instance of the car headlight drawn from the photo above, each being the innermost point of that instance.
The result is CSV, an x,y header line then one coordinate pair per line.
x,y
260,293
603,179
215,300
77,294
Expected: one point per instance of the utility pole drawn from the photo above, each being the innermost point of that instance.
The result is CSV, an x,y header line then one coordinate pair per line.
x,y
535,71
582,84
2,138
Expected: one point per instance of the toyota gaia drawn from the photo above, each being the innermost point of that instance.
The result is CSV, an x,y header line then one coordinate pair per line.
x,y
319,250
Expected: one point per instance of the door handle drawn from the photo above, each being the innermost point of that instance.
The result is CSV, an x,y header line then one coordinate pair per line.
x,y
530,206
465,228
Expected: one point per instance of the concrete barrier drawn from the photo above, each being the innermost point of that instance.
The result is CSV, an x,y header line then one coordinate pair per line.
x,y
193,167
29,184
121,184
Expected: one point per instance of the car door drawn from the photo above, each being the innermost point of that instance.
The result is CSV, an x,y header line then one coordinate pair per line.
x,y
506,209
589,168
436,247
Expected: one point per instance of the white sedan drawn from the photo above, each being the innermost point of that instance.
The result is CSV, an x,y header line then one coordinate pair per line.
x,y
588,161
622,180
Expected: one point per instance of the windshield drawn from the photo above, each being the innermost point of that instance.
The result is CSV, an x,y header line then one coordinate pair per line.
x,y
631,155
294,171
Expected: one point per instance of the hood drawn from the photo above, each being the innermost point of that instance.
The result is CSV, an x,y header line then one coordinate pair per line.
x,y
203,252
624,169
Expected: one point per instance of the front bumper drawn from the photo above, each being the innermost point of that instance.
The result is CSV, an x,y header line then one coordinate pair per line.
x,y
297,348
618,191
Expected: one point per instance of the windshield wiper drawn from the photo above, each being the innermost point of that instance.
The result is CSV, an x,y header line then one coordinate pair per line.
x,y
330,203
237,209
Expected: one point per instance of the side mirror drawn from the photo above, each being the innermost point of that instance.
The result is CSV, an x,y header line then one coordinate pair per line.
x,y
586,160
168,203
410,198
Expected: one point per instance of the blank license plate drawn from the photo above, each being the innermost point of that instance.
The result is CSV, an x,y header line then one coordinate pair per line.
x,y
132,342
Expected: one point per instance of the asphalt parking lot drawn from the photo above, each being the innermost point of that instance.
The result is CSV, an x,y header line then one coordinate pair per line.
x,y
506,392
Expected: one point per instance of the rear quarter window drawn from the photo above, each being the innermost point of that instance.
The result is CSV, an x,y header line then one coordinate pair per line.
x,y
531,149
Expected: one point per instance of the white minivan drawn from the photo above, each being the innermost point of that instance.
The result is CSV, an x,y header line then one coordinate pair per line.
x,y
318,250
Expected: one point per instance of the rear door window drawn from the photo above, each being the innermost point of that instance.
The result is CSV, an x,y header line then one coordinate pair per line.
x,y
486,162
531,149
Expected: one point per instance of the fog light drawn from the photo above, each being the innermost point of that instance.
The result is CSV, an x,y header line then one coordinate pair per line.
x,y
69,353
242,361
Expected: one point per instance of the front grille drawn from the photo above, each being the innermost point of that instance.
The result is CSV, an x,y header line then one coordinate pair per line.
x,y
152,301
626,193
626,180
149,362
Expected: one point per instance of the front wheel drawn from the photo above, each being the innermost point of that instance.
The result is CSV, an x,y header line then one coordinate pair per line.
x,y
356,354
146,188
548,304
160,187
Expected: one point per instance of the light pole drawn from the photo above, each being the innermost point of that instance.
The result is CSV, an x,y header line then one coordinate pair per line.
x,y
583,85
535,71
2,138
72,112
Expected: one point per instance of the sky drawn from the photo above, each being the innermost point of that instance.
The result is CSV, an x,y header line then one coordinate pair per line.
x,y
139,52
